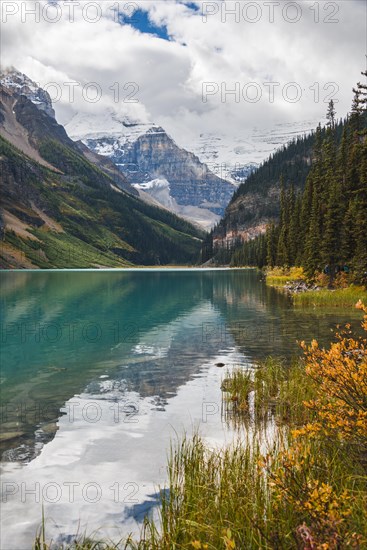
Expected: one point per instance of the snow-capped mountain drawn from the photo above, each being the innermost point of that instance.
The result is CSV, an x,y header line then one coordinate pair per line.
x,y
152,162
19,83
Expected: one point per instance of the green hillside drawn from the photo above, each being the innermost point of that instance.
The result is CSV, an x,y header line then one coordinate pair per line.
x,y
76,219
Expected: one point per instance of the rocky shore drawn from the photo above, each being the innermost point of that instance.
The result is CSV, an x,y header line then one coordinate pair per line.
x,y
297,287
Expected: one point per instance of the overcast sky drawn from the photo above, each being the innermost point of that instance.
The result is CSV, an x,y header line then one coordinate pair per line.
x,y
268,52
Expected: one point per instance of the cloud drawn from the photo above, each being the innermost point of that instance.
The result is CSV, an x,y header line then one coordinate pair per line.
x,y
294,50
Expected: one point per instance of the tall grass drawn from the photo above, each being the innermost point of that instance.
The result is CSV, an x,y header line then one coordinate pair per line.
x,y
341,297
217,498
237,386
227,499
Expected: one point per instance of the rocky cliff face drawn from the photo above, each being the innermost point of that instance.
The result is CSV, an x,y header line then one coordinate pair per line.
x,y
247,217
155,155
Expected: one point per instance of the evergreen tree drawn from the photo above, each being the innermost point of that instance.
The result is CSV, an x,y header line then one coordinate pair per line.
x,y
359,262
293,223
359,107
282,257
312,257
332,238
272,242
330,115
297,243
342,161
348,240
207,248
304,222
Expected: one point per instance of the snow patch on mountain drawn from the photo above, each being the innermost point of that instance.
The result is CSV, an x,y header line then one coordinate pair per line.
x,y
159,190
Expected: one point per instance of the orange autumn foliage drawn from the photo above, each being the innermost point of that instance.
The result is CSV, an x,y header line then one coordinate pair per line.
x,y
340,376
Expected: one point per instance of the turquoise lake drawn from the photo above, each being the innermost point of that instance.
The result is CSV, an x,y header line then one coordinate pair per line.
x,y
101,369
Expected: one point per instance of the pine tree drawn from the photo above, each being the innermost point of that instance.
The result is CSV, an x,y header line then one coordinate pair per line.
x,y
342,161
207,248
331,114
348,241
359,107
328,167
271,248
312,259
282,258
292,225
297,243
304,222
332,238
359,262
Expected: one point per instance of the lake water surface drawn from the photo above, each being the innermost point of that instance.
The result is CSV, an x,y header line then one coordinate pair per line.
x,y
101,369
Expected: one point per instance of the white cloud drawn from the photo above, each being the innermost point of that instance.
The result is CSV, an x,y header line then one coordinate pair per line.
x,y
170,75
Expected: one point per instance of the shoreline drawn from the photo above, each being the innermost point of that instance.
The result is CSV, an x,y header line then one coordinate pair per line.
x,y
135,268
306,293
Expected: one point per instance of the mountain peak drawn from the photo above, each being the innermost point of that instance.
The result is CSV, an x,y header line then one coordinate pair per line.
x,y
18,84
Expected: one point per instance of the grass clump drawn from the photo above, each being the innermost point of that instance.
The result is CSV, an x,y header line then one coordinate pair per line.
x,y
280,391
238,386
274,389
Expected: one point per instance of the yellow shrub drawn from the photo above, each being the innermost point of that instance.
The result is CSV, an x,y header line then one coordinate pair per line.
x,y
297,273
